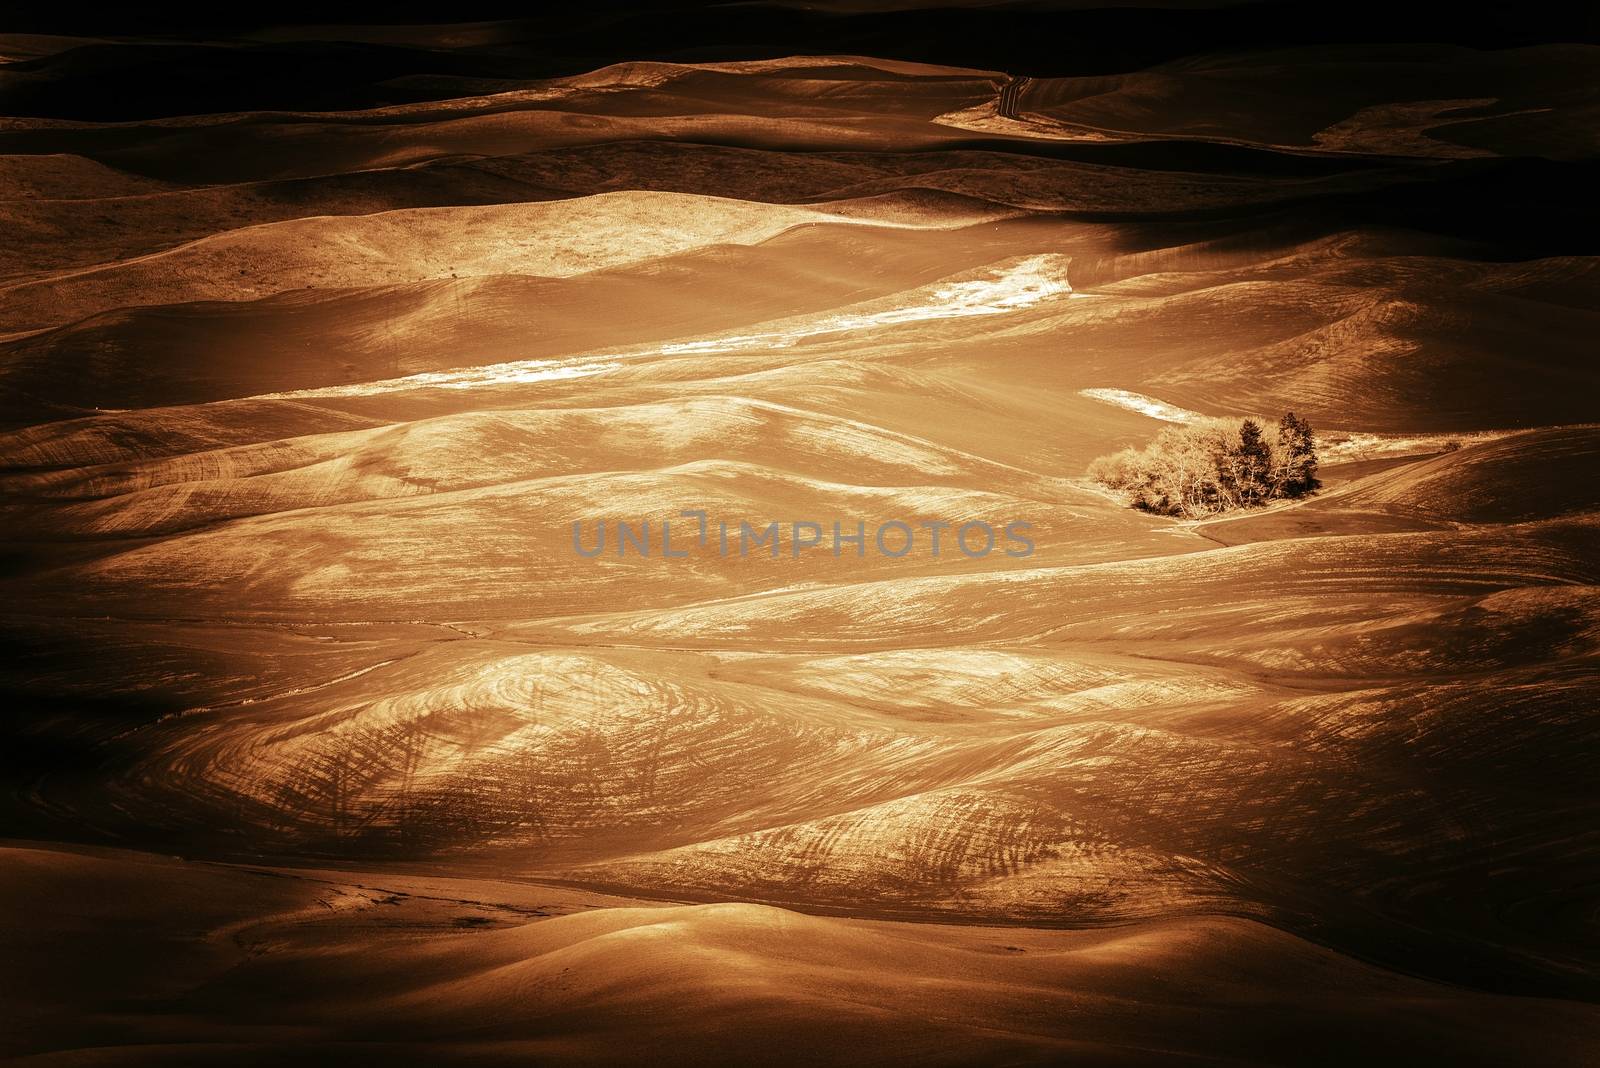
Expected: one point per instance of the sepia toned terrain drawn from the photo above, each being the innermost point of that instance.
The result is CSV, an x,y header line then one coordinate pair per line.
x,y
322,745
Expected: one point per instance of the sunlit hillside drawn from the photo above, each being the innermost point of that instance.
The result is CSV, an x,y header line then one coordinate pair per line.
x,y
324,742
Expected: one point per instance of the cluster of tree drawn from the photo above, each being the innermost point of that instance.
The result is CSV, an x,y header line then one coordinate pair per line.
x,y
1201,469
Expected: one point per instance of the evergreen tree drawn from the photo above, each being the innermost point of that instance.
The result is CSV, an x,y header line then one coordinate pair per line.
x,y
1252,465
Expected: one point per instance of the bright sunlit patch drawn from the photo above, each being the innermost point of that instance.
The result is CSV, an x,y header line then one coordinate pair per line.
x,y
1344,445
1138,402
1022,285
516,372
